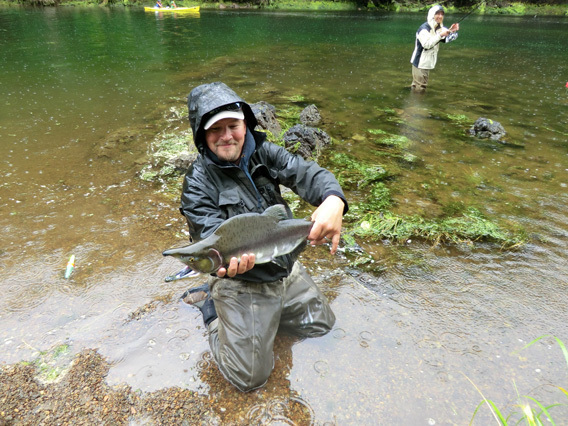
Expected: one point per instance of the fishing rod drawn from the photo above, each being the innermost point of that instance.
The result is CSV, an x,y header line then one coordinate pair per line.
x,y
470,12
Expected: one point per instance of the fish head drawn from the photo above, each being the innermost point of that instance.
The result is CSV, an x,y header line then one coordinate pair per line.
x,y
205,261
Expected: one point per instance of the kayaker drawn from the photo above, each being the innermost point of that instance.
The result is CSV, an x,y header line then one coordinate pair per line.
x,y
239,171
173,4
428,37
158,4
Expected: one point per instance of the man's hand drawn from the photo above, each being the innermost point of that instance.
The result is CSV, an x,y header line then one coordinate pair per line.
x,y
327,219
235,267
454,28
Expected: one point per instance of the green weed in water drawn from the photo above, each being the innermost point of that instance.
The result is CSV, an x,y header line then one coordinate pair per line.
x,y
386,110
459,118
404,157
296,98
351,172
470,226
51,365
164,148
398,141
378,198
376,131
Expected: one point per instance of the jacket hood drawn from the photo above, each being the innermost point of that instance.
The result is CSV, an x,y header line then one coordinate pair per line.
x,y
431,13
206,98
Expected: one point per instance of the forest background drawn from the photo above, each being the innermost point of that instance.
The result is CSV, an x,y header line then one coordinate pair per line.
x,y
518,7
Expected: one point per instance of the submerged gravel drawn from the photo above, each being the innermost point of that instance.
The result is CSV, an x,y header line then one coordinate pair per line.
x,y
82,397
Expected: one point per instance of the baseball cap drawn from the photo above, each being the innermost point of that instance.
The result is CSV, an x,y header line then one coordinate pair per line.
x,y
226,111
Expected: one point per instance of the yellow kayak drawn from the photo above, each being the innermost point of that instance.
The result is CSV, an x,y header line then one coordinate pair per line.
x,y
194,9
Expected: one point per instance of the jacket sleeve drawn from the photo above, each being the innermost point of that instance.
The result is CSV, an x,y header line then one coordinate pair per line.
x,y
310,181
427,39
200,208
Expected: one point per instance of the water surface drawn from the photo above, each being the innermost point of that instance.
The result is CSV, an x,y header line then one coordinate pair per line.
x,y
82,96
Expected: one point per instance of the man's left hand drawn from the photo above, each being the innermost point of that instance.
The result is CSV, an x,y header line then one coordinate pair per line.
x,y
327,219
237,267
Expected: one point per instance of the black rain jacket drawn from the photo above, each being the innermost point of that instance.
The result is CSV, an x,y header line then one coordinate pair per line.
x,y
214,191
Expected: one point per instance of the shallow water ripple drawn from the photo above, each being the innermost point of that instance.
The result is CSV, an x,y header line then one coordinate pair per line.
x,y
280,411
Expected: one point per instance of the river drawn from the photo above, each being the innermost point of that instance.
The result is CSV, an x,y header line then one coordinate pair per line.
x,y
84,92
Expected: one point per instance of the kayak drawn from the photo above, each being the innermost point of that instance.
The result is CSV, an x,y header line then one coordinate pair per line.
x,y
194,9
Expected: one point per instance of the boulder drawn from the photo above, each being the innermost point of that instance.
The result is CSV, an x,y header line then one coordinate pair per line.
x,y
305,141
486,128
310,116
182,161
266,116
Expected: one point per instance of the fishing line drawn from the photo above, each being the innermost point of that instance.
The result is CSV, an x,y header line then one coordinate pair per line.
x,y
470,12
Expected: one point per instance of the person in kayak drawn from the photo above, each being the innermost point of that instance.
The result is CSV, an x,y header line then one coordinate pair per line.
x,y
237,171
173,4
428,38
158,4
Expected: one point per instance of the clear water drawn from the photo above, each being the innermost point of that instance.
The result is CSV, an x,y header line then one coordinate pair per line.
x,y
82,94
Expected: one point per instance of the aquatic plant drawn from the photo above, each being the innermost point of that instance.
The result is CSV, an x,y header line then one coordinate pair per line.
x,y
353,173
398,141
378,198
51,364
296,98
532,411
162,150
287,117
470,226
376,131
459,118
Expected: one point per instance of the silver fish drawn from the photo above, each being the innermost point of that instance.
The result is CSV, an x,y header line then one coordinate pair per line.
x,y
267,235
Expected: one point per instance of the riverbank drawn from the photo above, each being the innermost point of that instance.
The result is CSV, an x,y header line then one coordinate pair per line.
x,y
501,8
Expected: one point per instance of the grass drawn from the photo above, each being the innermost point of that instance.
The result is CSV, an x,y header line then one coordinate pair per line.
x,y
532,412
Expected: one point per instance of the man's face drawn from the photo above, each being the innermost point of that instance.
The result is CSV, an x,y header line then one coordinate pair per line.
x,y
226,138
439,17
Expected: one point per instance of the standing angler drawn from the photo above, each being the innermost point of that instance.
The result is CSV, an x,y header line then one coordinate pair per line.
x,y
429,35
237,171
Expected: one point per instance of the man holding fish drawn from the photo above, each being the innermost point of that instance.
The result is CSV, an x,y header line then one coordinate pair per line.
x,y
231,198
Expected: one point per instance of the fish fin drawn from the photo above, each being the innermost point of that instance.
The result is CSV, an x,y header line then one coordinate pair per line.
x,y
300,247
277,211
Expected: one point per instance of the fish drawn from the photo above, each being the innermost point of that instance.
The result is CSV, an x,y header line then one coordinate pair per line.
x,y
268,235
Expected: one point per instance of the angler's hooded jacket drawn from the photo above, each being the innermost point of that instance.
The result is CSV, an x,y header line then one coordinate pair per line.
x,y
214,190
427,41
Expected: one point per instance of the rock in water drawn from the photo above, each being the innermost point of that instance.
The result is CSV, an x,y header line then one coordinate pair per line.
x,y
486,128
